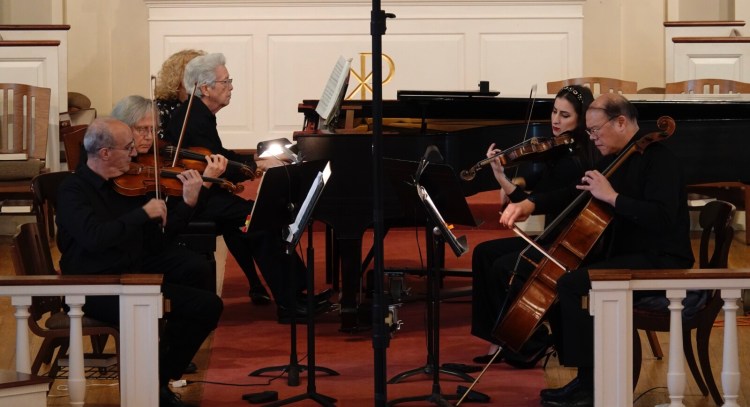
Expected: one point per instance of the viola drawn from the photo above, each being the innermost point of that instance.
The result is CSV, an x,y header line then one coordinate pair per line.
x,y
534,148
568,250
140,180
195,158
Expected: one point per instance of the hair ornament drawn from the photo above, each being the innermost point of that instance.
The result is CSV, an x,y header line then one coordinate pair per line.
x,y
575,93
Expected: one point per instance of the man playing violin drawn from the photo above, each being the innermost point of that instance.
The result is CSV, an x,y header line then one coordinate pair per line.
x,y
495,261
212,93
104,232
649,230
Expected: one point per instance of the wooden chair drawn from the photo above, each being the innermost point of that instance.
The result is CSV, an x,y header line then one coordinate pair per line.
x,y
715,221
597,84
72,138
31,256
24,122
652,90
44,190
701,86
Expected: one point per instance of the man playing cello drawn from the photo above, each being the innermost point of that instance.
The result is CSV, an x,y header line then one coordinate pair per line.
x,y
649,230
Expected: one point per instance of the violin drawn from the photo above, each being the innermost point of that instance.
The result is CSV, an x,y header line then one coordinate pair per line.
x,y
528,150
567,252
197,155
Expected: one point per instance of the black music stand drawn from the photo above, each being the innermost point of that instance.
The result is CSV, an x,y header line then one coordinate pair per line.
x,y
279,194
443,185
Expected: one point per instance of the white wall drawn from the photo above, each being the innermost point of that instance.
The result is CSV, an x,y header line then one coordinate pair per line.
x,y
109,56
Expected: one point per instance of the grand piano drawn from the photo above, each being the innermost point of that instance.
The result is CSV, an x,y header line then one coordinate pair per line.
x,y
712,138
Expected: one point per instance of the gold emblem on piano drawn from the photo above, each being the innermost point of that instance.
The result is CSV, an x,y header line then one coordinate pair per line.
x,y
363,77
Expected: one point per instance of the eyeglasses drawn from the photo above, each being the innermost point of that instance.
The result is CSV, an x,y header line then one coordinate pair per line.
x,y
143,130
594,131
227,81
129,147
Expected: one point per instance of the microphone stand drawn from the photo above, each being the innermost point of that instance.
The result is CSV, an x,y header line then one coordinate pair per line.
x,y
380,333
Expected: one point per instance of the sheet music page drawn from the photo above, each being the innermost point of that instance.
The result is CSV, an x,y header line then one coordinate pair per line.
x,y
305,211
334,87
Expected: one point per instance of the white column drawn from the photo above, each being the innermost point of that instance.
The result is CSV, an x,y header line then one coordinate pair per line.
x,y
76,377
23,355
730,371
611,306
139,350
676,381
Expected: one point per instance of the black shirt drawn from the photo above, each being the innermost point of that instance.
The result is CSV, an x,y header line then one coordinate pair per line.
x,y
103,232
201,132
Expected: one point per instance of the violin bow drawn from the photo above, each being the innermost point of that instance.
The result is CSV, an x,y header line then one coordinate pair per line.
x,y
532,99
152,86
184,126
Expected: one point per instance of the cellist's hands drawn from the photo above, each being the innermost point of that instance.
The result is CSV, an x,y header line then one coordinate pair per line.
x,y
516,212
191,186
599,186
156,209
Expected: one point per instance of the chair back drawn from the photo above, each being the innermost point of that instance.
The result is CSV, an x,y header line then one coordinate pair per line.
x,y
597,85
715,220
30,252
72,139
708,86
24,120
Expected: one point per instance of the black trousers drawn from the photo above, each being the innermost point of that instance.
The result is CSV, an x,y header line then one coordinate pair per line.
x,y
264,248
493,264
194,311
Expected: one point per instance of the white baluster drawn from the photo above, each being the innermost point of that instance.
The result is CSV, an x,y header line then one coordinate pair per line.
x,y
730,371
76,378
676,381
23,355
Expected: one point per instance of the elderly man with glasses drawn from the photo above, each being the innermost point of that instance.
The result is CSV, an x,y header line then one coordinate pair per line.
x,y
649,230
209,76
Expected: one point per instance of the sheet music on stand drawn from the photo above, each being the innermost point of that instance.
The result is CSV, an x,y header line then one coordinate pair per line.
x,y
458,245
295,230
334,93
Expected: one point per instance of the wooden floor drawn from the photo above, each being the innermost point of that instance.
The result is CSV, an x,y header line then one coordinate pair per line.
x,y
651,389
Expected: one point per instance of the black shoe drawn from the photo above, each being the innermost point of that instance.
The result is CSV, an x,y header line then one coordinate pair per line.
x,y
259,295
167,398
581,397
320,297
484,359
300,311
191,368
562,393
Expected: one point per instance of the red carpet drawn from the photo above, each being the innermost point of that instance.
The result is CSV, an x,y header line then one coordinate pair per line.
x,y
248,338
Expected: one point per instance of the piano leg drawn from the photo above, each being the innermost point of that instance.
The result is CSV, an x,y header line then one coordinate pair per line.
x,y
350,250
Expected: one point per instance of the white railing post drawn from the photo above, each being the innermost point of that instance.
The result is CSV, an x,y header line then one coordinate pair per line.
x,y
611,305
676,381
730,371
23,354
139,358
76,376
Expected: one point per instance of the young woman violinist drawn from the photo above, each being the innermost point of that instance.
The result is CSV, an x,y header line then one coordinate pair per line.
x,y
490,259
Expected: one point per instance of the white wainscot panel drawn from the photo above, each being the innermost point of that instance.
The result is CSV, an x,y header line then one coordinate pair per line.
x,y
511,62
711,60
419,62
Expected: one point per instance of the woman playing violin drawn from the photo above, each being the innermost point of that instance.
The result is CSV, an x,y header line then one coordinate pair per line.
x,y
649,230
491,260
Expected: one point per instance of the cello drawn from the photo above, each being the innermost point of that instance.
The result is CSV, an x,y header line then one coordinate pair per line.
x,y
566,253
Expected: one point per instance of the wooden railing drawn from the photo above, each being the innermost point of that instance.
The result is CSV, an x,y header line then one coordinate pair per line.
x,y
611,304
140,309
